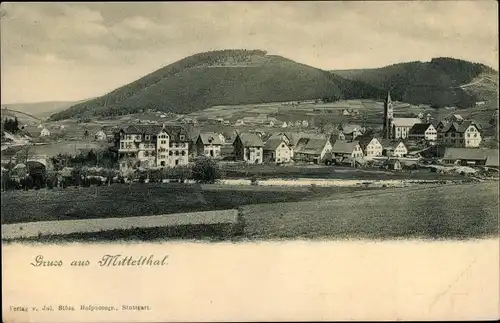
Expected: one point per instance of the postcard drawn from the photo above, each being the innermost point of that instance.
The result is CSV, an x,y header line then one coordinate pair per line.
x,y
249,161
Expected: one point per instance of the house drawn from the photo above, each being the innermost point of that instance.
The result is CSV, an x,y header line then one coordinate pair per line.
x,y
394,148
209,144
298,123
282,136
424,131
239,122
248,147
277,150
401,127
305,123
371,146
153,145
350,131
100,135
465,135
45,132
455,118
312,149
40,126
345,112
342,149
440,126
394,164
471,156
284,125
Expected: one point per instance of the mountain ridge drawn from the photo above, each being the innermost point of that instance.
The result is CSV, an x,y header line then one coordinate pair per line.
x,y
232,77
217,78
439,82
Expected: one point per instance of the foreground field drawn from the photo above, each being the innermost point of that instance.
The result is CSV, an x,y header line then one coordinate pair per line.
x,y
139,199
330,172
454,211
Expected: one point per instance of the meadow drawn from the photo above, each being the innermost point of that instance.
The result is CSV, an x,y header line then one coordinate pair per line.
x,y
445,212
322,171
124,200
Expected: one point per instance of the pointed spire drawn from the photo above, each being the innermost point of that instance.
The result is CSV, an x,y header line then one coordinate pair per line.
x,y
389,97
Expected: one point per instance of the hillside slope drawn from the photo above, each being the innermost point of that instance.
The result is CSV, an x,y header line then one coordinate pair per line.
x,y
220,78
440,82
23,117
40,109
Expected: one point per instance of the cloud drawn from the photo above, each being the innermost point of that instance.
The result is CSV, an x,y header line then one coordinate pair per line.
x,y
137,38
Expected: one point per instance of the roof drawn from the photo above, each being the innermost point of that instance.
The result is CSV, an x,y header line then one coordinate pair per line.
x,y
174,131
405,122
350,128
294,137
470,153
273,143
210,138
344,147
310,145
250,140
419,128
364,141
492,159
390,144
461,127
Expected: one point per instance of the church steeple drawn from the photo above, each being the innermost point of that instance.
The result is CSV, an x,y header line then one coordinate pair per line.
x,y
388,115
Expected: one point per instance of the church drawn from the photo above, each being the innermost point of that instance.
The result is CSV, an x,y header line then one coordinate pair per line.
x,y
396,128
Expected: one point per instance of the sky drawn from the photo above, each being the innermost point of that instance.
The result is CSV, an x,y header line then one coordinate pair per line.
x,y
73,51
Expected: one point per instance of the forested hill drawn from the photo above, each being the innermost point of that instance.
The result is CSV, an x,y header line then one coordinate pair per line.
x,y
441,82
222,77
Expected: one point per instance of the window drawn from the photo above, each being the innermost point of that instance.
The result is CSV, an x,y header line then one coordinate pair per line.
x,y
181,137
183,153
177,153
121,145
170,153
176,162
282,145
257,153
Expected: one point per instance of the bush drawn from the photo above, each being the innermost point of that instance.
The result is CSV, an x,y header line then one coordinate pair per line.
x,y
205,170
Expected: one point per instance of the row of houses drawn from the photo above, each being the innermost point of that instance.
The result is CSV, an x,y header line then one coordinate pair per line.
x,y
170,145
459,133
271,122
282,147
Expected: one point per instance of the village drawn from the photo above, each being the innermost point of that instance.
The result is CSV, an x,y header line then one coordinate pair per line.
x,y
137,147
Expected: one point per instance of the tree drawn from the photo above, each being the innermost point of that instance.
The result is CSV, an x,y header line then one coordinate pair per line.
x,y
11,125
205,170
86,134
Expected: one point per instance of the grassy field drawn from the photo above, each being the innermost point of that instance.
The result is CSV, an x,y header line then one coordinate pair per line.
x,y
335,172
454,211
67,147
120,200
441,212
